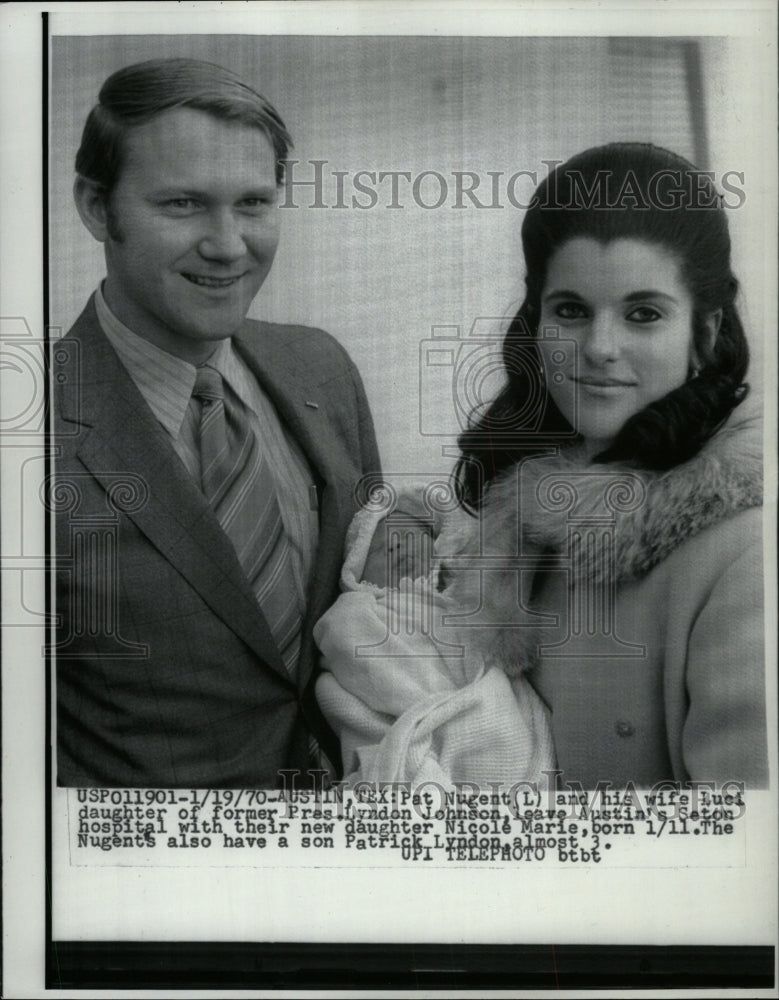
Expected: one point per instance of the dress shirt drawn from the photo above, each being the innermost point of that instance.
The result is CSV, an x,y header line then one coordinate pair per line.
x,y
166,383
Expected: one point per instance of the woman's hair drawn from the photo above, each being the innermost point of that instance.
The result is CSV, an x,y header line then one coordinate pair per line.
x,y
136,94
622,190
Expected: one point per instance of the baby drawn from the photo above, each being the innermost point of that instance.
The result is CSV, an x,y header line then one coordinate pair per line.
x,y
423,672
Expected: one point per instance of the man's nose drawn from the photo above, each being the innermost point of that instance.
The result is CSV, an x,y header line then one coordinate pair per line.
x,y
602,341
223,238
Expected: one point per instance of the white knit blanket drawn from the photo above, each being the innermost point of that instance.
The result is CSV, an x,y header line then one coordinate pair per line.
x,y
411,696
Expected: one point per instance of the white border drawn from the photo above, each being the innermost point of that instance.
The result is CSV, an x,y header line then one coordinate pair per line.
x,y
20,266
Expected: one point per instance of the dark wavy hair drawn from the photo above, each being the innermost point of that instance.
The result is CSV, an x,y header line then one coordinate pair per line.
x,y
620,190
135,94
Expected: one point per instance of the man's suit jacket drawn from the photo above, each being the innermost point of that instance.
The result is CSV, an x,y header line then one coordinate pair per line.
x,y
167,674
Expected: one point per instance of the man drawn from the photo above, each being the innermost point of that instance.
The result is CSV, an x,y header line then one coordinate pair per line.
x,y
207,463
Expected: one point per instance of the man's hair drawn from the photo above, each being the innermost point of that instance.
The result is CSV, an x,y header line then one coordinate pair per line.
x,y
134,95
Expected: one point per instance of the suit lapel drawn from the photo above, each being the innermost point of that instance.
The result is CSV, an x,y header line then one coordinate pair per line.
x,y
293,391
125,437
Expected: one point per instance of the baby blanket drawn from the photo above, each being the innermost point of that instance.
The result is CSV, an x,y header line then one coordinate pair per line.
x,y
411,693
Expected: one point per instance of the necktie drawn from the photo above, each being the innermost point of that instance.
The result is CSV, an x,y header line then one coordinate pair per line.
x,y
239,487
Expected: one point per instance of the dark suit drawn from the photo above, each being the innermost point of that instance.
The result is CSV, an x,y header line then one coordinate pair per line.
x,y
167,674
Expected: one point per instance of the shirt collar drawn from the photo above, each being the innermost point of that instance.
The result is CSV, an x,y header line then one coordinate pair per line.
x,y
164,380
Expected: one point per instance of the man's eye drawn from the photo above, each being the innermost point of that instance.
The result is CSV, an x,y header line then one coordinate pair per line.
x,y
644,314
258,203
181,204
570,310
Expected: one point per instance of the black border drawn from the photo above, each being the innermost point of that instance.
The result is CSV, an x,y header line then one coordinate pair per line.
x,y
48,469
124,965
116,965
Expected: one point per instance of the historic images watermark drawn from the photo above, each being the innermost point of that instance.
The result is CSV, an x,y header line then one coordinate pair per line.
x,y
29,363
583,505
316,184
33,369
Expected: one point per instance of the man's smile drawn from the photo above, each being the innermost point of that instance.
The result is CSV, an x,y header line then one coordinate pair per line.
x,y
209,282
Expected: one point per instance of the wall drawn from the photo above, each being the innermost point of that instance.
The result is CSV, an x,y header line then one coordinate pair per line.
x,y
381,279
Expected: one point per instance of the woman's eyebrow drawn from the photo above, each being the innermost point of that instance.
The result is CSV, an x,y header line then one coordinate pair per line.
x,y
562,293
651,293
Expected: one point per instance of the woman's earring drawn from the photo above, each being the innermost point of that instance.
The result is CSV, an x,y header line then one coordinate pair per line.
x,y
694,373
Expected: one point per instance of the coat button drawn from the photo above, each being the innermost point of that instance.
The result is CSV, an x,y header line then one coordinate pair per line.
x,y
624,729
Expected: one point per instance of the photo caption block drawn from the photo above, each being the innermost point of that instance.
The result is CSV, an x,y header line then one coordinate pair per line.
x,y
397,826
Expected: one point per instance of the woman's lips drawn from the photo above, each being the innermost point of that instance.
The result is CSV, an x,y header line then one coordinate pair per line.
x,y
603,388
601,382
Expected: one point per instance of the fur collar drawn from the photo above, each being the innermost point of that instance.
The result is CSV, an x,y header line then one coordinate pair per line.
x,y
647,515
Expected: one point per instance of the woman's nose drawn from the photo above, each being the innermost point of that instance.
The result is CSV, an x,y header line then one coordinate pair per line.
x,y
602,341
223,238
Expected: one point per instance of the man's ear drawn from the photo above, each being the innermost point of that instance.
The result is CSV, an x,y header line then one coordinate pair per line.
x,y
711,325
91,202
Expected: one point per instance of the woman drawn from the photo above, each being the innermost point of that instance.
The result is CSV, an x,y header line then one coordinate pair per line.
x,y
619,448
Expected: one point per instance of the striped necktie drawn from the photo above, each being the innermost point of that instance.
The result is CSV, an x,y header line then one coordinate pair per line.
x,y
239,487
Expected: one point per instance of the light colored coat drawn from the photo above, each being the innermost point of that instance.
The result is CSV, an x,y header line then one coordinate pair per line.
x,y
651,660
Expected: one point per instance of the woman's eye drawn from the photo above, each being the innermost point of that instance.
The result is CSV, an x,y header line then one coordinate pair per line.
x,y
570,310
644,314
